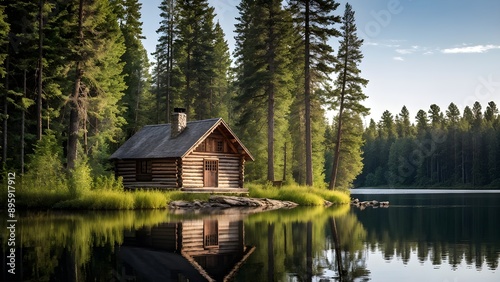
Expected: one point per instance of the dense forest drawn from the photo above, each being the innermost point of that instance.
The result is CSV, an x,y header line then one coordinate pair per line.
x,y
442,149
76,82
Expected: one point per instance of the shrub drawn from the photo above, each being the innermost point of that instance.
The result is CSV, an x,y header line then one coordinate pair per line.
x,y
45,171
108,182
80,180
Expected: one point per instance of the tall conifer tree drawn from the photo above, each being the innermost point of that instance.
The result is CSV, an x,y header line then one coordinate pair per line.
x,y
166,77
98,80
221,93
349,93
263,37
137,96
4,41
316,22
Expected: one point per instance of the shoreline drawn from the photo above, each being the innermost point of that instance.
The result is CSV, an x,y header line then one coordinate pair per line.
x,y
364,191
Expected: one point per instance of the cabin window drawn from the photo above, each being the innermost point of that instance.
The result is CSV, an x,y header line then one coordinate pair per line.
x,y
210,234
220,146
143,170
212,145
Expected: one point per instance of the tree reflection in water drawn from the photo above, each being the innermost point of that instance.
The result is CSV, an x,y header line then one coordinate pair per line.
x,y
302,247
301,244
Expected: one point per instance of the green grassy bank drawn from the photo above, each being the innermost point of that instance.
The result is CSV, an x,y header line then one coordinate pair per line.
x,y
113,197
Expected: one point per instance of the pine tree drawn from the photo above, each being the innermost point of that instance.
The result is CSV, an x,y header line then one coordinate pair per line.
x,y
20,65
315,22
4,41
436,116
453,119
39,102
221,96
403,126
264,77
166,77
349,93
350,156
137,96
194,54
98,82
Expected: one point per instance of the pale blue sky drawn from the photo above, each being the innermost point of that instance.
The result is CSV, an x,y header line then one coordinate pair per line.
x,y
417,52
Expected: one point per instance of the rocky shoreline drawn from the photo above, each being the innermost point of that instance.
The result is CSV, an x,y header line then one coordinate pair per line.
x,y
373,203
261,204
224,202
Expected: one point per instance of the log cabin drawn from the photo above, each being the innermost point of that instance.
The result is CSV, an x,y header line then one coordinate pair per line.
x,y
202,155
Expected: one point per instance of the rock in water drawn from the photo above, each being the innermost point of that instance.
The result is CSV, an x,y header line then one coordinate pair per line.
x,y
233,201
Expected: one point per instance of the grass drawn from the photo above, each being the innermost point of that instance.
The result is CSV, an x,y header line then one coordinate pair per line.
x,y
304,196
106,199
100,200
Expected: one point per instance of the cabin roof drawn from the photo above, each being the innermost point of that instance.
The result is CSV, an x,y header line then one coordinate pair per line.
x,y
155,141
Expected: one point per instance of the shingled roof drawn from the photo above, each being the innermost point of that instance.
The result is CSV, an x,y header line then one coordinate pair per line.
x,y
155,141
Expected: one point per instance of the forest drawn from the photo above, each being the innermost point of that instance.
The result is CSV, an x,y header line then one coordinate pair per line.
x,y
76,82
441,149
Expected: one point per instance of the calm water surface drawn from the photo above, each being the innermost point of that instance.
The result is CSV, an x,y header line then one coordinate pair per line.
x,y
422,236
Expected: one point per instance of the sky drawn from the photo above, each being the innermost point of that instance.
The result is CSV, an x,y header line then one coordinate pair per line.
x,y
416,52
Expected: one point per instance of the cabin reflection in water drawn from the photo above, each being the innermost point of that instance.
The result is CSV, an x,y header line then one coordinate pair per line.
x,y
194,250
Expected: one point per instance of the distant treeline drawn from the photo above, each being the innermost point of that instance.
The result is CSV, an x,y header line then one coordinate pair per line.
x,y
439,149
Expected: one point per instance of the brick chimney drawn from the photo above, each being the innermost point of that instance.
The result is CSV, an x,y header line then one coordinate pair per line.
x,y
179,122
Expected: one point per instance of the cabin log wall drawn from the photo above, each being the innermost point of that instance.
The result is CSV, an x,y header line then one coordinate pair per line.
x,y
164,172
127,170
229,170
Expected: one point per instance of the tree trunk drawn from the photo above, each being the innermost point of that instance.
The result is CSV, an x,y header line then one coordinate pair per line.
x,y
5,112
158,95
309,253
23,121
307,98
270,102
74,121
170,56
270,252
336,157
74,117
270,136
40,72
137,102
336,242
284,164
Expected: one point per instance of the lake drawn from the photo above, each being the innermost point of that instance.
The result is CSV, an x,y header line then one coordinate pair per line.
x,y
424,235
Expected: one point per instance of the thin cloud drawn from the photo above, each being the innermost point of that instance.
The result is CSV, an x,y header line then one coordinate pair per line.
x,y
404,51
470,49
412,50
384,43
401,59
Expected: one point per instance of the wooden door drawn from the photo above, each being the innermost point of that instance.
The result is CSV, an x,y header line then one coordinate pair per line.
x,y
210,234
211,173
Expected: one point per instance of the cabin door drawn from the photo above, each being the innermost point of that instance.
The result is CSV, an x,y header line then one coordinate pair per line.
x,y
211,173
